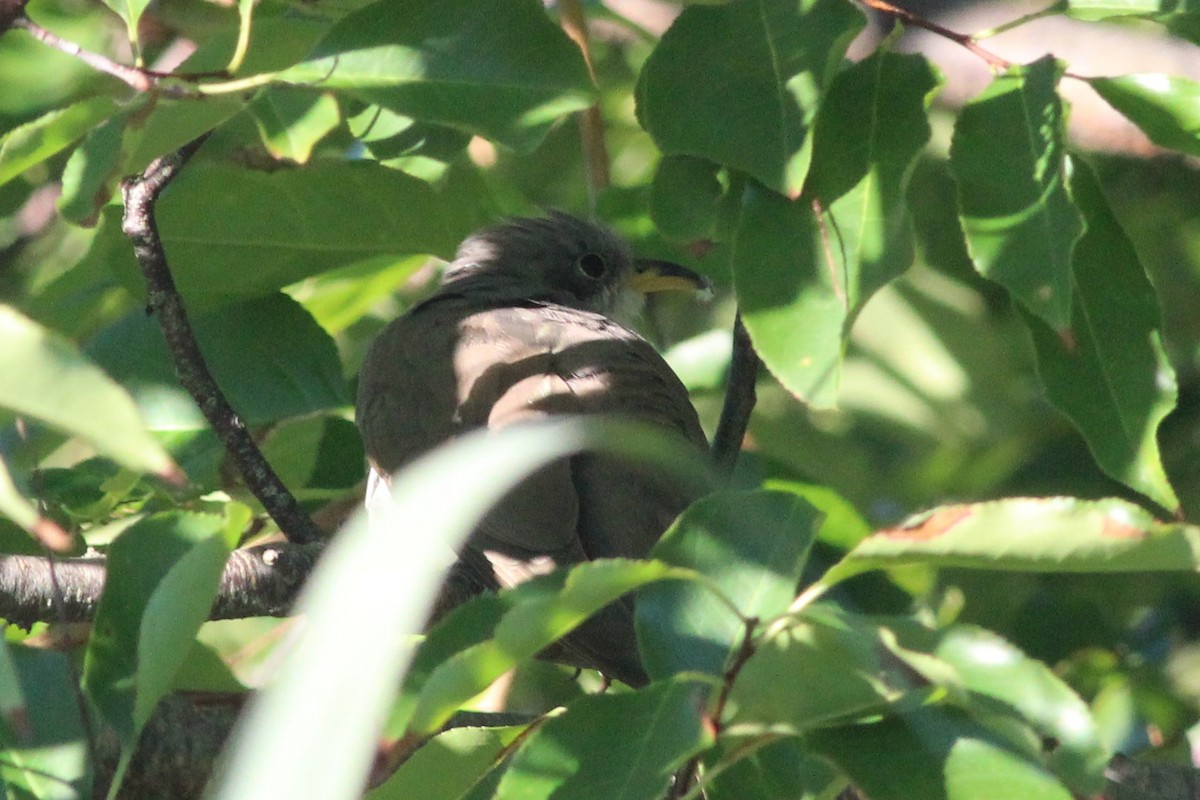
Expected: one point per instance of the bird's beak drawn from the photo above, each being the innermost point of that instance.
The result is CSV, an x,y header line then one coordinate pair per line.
x,y
652,275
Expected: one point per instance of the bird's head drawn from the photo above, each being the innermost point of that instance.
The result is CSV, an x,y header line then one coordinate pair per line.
x,y
567,260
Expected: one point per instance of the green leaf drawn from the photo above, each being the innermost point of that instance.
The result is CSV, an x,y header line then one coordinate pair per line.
x,y
991,667
612,746
291,121
43,376
685,197
1059,534
1008,157
131,12
1165,107
90,176
268,356
739,84
1107,9
369,567
538,619
498,68
34,142
448,765
935,754
752,545
836,671
13,504
163,573
1108,371
780,769
45,755
235,233
804,269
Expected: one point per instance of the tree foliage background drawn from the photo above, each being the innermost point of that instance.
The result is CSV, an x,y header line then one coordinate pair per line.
x,y
960,317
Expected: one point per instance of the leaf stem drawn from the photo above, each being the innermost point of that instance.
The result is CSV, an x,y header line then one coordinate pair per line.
x,y
591,122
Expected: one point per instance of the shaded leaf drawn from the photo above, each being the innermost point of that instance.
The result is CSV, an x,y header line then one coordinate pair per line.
x,y
739,84
34,142
935,754
1109,373
268,355
612,746
1008,160
499,68
43,376
90,177
752,546
233,233
685,197
780,769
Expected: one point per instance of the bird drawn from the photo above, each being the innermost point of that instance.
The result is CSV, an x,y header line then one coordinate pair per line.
x,y
532,319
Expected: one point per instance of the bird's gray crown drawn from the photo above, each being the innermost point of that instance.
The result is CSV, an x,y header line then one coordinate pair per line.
x,y
559,257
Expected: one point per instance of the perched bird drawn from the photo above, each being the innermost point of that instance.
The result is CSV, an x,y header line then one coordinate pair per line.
x,y
525,325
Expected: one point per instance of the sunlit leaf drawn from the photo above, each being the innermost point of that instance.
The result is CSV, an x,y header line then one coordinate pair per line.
x,y
292,121
604,747
1008,160
1165,107
43,377
448,765
753,546
34,142
1108,372
740,84
498,68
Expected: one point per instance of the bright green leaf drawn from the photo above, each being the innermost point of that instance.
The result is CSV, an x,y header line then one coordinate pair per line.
x,y
612,746
131,12
1106,9
13,504
1008,158
43,376
90,177
498,68
991,667
935,754
448,765
34,142
752,546
1108,371
804,269
1057,534
739,84
369,566
291,121
162,577
1165,107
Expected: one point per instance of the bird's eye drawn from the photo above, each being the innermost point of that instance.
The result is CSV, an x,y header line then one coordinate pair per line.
x,y
592,265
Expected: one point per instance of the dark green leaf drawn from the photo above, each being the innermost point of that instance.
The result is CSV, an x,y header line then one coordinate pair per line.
x,y
612,746
499,68
739,84
1108,371
753,546
448,765
235,233
685,198
268,355
1008,159
90,177
936,754
780,769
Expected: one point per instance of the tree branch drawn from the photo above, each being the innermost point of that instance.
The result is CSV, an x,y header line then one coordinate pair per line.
x,y
740,398
141,193
258,581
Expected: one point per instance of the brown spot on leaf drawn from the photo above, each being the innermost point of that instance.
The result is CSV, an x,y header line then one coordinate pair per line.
x,y
928,527
1113,529
1067,337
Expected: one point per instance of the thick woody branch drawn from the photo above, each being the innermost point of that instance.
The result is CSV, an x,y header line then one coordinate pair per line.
x,y
258,581
141,193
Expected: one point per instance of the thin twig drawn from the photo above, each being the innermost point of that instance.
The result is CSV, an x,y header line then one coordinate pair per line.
x,y
591,122
740,397
136,77
961,39
141,194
